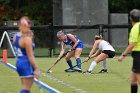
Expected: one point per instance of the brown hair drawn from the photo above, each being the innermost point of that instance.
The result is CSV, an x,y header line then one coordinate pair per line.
x,y
97,37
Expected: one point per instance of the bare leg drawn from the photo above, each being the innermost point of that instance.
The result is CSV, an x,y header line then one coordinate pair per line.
x,y
133,81
27,83
98,59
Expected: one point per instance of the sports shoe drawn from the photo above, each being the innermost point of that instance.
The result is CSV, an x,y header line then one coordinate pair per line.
x,y
103,71
78,69
87,72
69,70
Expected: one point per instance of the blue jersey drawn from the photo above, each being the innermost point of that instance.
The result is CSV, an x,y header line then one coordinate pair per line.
x,y
24,68
71,43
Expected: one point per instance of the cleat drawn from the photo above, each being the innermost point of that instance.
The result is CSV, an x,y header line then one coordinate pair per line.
x,y
87,72
103,71
78,69
69,70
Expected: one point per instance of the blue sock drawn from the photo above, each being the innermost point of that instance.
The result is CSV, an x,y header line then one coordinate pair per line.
x,y
24,91
78,61
70,64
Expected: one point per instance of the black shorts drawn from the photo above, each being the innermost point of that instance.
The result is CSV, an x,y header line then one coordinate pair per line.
x,y
110,53
136,61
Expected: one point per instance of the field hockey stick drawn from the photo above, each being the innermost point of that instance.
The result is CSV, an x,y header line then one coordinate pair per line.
x,y
78,64
57,61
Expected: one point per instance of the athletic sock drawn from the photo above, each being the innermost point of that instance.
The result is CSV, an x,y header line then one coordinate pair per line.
x,y
134,88
78,61
104,65
93,64
70,64
24,91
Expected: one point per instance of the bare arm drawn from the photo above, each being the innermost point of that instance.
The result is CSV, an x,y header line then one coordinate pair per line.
x,y
92,51
62,50
29,51
127,50
97,53
93,48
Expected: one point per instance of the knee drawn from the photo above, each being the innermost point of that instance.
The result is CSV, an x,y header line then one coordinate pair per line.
x,y
133,81
77,56
67,58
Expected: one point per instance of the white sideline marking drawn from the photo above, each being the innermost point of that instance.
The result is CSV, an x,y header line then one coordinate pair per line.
x,y
64,83
38,82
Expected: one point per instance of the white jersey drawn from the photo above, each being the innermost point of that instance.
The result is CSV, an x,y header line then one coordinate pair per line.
x,y
104,45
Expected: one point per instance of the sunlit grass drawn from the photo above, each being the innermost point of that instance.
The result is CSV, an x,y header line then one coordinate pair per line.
x,y
116,81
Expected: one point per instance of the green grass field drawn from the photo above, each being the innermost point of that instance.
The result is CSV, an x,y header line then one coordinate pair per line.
x,y
116,81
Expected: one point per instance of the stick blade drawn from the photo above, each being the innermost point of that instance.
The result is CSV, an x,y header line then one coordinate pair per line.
x,y
49,71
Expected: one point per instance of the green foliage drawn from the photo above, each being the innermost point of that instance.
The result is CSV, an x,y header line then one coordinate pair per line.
x,y
137,3
38,10
117,6
123,6
6,12
5,1
41,10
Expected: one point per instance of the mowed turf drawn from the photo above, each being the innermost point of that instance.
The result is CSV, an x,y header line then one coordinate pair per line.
x,y
115,81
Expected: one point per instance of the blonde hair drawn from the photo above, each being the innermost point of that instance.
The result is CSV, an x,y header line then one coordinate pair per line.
x,y
97,37
60,33
24,26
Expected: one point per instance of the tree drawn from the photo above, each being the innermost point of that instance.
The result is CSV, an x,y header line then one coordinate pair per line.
x,y
123,6
6,12
38,10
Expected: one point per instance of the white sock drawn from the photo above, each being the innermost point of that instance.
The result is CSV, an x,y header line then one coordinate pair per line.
x,y
104,65
93,64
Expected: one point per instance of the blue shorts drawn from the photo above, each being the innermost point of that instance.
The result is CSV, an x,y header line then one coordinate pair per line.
x,y
24,68
80,45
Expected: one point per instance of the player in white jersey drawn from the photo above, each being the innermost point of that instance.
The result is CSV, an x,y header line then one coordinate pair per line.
x,y
105,50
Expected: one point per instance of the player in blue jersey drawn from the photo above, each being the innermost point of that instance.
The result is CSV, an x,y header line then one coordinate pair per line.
x,y
25,63
76,49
